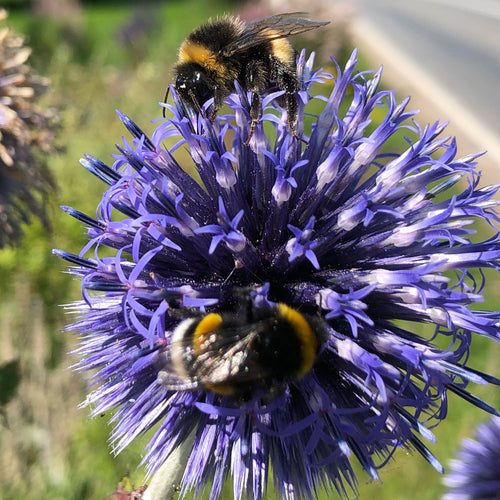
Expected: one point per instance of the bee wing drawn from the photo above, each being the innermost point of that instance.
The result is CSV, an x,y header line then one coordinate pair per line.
x,y
225,359
271,28
170,380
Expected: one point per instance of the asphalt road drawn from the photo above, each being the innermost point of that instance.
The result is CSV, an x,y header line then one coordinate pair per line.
x,y
448,53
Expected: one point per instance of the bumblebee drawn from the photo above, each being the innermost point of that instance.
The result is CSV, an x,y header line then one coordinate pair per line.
x,y
257,351
257,54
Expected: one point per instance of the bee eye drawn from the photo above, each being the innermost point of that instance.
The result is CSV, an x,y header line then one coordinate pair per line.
x,y
194,87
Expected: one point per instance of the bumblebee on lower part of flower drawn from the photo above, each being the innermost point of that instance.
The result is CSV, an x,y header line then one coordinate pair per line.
x,y
257,54
257,350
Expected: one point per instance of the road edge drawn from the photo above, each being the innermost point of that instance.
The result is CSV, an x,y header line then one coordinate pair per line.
x,y
430,96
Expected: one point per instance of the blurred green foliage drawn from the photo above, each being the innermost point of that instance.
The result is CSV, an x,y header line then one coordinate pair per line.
x,y
104,57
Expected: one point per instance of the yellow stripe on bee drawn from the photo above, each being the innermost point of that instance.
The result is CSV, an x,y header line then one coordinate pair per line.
x,y
209,324
281,47
283,51
305,333
223,390
192,52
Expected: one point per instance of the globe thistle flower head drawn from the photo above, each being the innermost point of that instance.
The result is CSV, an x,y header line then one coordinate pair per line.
x,y
347,248
475,473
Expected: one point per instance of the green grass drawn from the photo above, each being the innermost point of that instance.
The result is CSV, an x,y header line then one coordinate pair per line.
x,y
48,447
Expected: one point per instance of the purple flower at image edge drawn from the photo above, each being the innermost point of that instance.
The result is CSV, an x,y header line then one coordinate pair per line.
x,y
370,245
475,473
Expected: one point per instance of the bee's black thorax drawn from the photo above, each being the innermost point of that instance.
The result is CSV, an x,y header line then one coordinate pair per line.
x,y
217,35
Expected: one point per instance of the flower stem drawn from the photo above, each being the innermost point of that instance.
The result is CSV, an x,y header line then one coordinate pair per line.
x,y
165,483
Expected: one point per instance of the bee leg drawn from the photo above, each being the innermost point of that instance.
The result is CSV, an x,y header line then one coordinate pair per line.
x,y
254,114
213,114
255,78
287,80
291,108
298,137
218,99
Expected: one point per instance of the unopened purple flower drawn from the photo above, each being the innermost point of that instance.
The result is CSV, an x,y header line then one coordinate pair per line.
x,y
475,473
369,244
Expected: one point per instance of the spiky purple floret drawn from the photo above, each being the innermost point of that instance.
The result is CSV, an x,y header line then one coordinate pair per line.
x,y
475,473
336,229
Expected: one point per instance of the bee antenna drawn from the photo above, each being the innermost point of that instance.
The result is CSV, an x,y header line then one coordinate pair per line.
x,y
165,100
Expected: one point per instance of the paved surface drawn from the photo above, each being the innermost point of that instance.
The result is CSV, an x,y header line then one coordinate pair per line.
x,y
446,54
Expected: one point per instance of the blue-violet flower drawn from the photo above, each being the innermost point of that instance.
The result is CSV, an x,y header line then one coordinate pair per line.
x,y
373,245
475,473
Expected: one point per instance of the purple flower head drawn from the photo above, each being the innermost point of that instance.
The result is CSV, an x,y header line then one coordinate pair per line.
x,y
363,245
475,473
